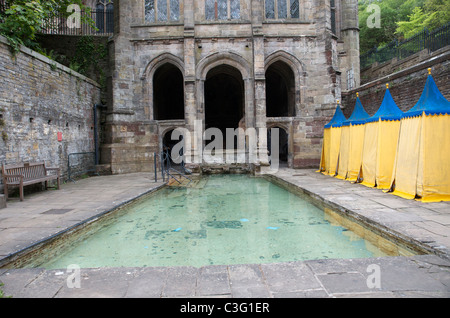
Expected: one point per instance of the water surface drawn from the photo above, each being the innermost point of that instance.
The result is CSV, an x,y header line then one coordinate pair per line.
x,y
226,219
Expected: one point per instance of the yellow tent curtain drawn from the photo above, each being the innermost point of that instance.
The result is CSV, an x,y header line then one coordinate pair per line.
x,y
380,144
369,155
422,168
423,159
388,132
330,150
335,143
331,143
356,143
344,153
352,141
324,160
380,148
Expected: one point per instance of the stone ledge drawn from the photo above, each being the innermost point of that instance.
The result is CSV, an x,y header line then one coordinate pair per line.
x,y
46,60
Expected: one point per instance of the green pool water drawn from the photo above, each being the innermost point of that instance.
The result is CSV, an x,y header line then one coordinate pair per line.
x,y
227,219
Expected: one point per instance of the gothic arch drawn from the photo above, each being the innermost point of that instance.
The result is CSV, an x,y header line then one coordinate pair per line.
x,y
235,61
298,69
161,59
297,66
147,77
230,58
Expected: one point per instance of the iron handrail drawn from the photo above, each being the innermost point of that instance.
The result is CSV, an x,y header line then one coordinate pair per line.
x,y
430,40
166,167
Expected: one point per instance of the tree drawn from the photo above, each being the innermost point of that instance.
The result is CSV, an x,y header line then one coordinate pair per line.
x,y
24,19
415,24
432,15
391,12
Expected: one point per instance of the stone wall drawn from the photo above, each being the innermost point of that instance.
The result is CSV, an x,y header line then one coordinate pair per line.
x,y
406,86
40,99
377,70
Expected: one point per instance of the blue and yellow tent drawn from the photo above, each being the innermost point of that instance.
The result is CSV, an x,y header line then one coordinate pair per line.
x,y
422,166
331,143
380,143
352,141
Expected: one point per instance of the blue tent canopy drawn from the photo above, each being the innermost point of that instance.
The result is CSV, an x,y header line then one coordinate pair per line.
x,y
388,110
432,102
358,116
337,119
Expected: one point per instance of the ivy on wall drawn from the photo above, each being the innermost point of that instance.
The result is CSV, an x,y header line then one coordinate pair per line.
x,y
86,57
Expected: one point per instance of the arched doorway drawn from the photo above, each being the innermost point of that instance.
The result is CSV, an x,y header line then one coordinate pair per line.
x,y
224,99
282,143
172,149
280,90
168,93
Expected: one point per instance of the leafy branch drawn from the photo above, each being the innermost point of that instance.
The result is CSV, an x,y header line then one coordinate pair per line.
x,y
24,19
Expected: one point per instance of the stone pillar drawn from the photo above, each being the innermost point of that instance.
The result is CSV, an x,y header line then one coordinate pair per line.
x,y
131,139
257,12
349,60
190,104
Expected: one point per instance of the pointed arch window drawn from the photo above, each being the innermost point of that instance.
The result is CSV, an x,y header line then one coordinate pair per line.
x,y
104,16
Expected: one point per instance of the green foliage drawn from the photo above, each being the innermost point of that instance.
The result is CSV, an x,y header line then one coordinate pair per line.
x,y
415,24
21,22
87,55
24,19
432,15
392,11
400,19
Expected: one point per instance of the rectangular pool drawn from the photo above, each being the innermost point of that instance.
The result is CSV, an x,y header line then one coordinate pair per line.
x,y
223,219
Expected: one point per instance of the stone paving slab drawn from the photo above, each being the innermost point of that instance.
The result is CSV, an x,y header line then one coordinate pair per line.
x,y
25,223
417,276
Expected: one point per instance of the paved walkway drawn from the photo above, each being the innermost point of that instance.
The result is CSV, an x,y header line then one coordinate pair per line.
x,y
45,214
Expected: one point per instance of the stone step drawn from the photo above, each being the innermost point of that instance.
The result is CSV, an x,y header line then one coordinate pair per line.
x,y
182,182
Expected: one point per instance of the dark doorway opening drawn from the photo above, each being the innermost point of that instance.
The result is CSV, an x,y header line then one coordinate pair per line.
x,y
283,144
224,99
280,90
173,156
168,93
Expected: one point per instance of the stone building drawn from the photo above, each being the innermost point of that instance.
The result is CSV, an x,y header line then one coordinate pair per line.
x,y
226,64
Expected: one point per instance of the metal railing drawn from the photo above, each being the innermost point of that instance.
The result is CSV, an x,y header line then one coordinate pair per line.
x,y
430,40
59,23
168,171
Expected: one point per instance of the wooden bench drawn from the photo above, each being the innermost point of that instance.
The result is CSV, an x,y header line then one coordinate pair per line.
x,y
27,173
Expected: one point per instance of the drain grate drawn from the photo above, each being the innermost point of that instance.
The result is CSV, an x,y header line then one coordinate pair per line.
x,y
57,211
